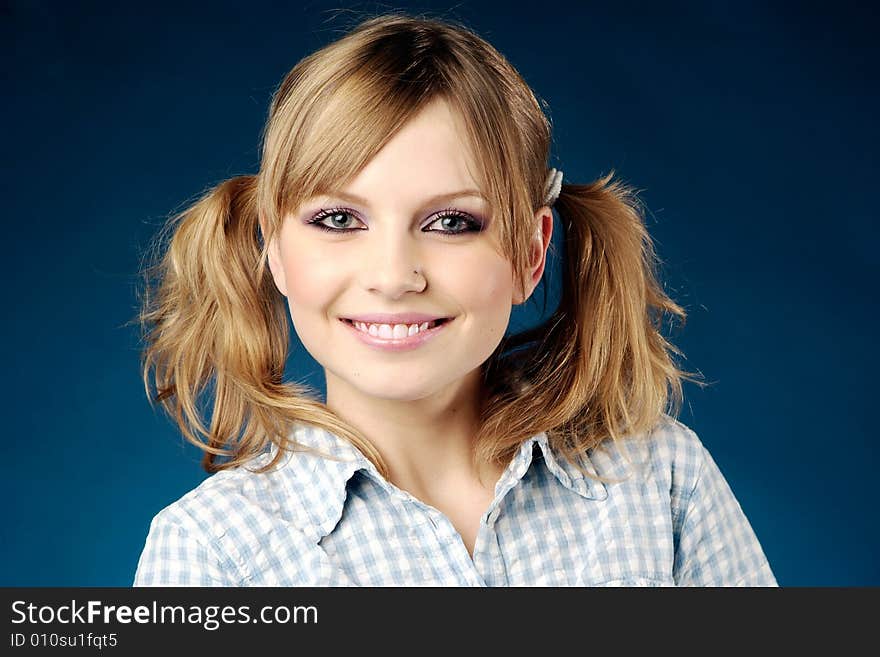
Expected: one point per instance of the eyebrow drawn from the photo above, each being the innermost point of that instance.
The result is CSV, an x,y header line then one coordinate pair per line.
x,y
438,198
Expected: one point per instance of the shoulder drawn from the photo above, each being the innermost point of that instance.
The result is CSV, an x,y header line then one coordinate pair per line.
x,y
668,459
222,498
669,447
236,519
714,543
676,448
296,488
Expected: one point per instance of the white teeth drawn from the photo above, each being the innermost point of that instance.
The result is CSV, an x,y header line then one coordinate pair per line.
x,y
391,331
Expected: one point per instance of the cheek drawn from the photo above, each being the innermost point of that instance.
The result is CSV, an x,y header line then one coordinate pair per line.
x,y
486,283
309,274
480,279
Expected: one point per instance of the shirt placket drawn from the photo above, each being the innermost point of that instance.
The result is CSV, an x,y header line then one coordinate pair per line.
x,y
441,537
431,525
487,566
488,558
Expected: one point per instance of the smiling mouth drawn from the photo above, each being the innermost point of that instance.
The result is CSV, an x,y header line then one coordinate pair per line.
x,y
430,324
395,331
421,327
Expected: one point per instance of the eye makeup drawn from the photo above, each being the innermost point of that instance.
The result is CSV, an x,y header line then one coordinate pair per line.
x,y
469,223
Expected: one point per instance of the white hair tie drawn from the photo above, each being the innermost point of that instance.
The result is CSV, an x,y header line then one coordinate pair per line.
x,y
552,187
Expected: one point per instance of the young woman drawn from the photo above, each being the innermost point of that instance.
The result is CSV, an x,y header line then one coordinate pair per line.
x,y
402,207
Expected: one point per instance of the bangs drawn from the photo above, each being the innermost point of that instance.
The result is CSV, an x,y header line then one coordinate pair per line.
x,y
345,132
335,111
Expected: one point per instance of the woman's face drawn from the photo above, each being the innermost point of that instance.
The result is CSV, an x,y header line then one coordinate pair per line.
x,y
381,229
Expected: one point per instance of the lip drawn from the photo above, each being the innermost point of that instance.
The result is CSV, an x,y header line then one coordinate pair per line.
x,y
398,344
399,318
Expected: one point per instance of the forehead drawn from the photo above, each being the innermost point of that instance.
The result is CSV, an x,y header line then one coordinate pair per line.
x,y
429,155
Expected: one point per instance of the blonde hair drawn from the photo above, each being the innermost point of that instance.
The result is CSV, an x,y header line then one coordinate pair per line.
x,y
212,317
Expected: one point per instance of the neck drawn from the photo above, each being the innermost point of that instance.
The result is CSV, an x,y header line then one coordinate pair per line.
x,y
426,443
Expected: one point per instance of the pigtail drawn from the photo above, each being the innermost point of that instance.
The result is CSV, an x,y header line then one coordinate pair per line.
x,y
210,317
215,328
599,366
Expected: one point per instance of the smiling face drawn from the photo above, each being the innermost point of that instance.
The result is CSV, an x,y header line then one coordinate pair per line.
x,y
356,253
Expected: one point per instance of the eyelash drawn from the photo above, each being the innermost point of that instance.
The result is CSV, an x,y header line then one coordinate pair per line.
x,y
474,225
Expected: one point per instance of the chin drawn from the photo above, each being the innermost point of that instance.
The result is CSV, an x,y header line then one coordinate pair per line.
x,y
394,387
396,393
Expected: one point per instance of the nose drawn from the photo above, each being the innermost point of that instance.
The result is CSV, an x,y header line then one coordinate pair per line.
x,y
393,266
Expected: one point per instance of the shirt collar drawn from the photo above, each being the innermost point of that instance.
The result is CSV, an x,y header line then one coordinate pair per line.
x,y
328,477
567,473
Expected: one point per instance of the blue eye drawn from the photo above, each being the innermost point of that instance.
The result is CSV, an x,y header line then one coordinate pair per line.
x,y
456,222
337,217
451,220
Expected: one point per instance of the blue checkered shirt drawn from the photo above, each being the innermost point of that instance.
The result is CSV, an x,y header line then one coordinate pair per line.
x,y
314,521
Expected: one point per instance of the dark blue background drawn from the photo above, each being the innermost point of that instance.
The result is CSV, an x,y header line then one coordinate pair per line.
x,y
750,127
